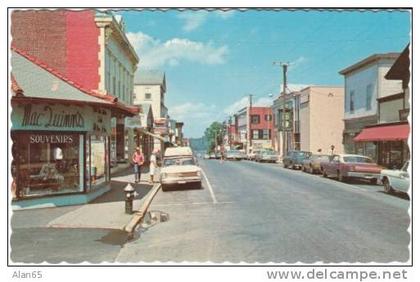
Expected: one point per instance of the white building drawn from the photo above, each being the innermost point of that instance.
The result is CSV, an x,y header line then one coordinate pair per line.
x,y
117,66
150,88
365,83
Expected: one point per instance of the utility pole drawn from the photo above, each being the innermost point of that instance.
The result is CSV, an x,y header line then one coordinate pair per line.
x,y
283,120
249,124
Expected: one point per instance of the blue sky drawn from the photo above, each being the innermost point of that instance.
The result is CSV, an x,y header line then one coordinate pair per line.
x,y
212,60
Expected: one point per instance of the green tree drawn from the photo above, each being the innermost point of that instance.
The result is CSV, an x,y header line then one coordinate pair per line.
x,y
212,133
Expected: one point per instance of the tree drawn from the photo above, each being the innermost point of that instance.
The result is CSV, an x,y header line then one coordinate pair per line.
x,y
214,132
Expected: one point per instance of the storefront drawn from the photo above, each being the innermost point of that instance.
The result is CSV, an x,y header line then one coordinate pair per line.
x,y
59,149
385,143
60,137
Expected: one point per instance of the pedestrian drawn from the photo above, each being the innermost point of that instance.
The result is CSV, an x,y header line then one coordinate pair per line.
x,y
152,167
138,160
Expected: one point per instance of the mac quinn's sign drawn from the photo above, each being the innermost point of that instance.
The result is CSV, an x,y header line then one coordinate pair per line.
x,y
59,117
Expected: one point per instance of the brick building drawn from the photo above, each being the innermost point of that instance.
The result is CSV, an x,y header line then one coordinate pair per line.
x,y
87,47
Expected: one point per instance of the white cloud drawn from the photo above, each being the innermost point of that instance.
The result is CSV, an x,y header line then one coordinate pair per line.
x,y
265,101
196,116
244,102
193,20
154,53
296,63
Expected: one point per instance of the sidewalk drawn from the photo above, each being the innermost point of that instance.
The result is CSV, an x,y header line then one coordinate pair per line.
x,y
107,211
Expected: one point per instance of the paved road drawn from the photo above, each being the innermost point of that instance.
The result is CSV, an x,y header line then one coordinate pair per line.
x,y
249,212
263,213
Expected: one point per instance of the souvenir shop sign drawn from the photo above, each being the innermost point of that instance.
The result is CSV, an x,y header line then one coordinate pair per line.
x,y
54,117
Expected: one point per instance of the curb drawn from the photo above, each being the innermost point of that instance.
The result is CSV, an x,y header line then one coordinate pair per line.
x,y
141,212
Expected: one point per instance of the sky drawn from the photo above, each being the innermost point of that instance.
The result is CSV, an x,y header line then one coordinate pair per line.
x,y
213,59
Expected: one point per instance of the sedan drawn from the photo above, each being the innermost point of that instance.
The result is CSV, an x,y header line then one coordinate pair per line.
x,y
294,159
266,156
396,179
234,155
313,164
346,166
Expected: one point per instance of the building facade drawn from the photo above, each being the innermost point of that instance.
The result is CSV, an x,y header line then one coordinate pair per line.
x,y
261,128
286,129
90,49
365,83
391,131
61,136
320,123
150,88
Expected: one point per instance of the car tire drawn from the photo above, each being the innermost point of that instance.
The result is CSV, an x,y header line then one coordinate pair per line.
x,y
324,173
303,169
373,181
387,186
164,188
340,177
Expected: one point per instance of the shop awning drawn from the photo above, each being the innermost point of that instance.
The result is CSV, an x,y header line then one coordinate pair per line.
x,y
384,133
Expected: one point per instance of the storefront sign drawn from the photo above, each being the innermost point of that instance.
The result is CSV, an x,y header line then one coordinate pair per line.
x,y
51,139
50,118
60,117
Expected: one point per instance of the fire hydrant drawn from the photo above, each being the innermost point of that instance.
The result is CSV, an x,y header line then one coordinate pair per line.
x,y
130,193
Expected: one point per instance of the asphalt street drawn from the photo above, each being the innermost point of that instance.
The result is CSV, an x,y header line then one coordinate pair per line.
x,y
245,212
254,212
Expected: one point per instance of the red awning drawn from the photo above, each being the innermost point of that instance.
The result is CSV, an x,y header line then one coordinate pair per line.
x,y
384,133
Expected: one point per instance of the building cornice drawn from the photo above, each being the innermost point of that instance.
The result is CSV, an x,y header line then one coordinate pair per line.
x,y
112,28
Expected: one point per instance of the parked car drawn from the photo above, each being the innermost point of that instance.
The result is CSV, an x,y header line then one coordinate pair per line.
x,y
251,155
294,159
266,156
346,166
206,156
396,179
179,168
212,155
313,163
233,155
242,155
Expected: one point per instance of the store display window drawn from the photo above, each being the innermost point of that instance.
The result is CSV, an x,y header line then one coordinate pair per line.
x,y
46,163
97,161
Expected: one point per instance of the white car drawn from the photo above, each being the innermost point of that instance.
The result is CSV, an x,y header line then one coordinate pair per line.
x,y
396,179
179,168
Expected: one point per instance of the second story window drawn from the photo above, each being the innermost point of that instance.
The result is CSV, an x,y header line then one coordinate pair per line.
x,y
369,90
148,96
255,119
268,117
351,101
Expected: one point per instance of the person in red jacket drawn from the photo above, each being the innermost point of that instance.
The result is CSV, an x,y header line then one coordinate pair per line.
x,y
138,160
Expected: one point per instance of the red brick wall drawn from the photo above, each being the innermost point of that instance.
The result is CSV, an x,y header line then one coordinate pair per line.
x,y
262,111
82,48
66,41
41,34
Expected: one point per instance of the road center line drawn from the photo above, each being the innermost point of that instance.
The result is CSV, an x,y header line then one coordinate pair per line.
x,y
210,188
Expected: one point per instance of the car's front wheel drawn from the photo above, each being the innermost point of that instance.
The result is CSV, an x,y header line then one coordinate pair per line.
x,y
387,186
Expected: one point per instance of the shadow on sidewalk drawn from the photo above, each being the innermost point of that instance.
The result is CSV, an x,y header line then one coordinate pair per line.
x,y
118,182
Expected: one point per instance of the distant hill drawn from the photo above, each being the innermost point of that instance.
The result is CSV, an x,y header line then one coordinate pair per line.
x,y
199,144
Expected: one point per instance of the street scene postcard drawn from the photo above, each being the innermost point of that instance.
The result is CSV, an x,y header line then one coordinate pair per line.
x,y
210,136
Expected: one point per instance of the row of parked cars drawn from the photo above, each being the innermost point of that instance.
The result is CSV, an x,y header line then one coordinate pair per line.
x,y
348,166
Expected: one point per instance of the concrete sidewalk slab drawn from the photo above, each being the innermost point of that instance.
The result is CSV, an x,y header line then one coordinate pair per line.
x,y
107,211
